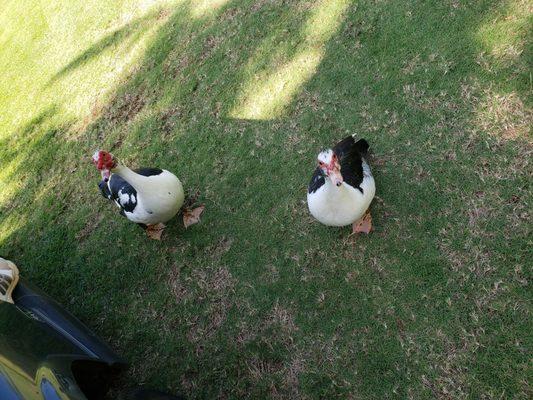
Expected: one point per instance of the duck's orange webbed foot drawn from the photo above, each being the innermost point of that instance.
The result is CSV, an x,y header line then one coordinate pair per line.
x,y
364,225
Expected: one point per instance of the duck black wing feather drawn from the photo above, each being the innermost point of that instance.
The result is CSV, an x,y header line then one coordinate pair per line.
x,y
117,189
149,171
104,189
317,180
351,154
122,193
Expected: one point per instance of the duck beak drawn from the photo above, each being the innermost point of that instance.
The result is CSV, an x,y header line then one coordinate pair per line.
x,y
105,174
336,177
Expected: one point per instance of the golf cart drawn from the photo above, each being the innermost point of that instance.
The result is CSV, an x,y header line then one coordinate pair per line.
x,y
47,354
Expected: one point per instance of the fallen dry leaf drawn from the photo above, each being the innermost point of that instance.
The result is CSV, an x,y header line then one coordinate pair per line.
x,y
155,231
192,216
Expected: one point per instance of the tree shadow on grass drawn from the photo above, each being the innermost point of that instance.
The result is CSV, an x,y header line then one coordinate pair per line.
x,y
257,300
130,31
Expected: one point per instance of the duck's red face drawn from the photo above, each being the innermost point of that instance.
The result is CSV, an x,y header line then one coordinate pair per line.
x,y
104,162
328,162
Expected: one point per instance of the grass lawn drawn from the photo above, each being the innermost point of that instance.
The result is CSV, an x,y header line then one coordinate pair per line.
x,y
237,98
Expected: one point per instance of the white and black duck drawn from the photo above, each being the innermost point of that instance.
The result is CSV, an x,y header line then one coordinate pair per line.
x,y
147,196
342,186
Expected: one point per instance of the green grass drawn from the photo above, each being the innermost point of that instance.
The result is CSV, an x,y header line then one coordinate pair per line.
x,y
237,98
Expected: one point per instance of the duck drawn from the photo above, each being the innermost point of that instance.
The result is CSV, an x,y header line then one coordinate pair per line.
x,y
342,186
149,197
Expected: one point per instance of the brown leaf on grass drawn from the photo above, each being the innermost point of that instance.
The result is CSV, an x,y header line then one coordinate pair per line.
x,y
155,231
192,216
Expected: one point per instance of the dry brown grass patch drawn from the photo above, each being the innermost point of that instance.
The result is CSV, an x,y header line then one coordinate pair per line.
x,y
281,321
168,120
218,249
504,115
126,107
215,289
91,224
177,287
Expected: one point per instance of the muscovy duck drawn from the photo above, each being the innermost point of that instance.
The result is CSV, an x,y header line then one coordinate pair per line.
x,y
342,186
147,196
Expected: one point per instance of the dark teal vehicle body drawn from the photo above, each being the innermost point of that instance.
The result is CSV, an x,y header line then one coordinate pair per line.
x,y
46,353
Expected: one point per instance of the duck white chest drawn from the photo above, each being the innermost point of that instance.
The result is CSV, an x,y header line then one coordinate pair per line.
x,y
343,205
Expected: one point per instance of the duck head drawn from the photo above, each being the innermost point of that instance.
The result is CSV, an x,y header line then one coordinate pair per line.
x,y
328,162
104,162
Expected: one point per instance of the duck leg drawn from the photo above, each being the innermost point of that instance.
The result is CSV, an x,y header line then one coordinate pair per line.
x,y
155,231
364,225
